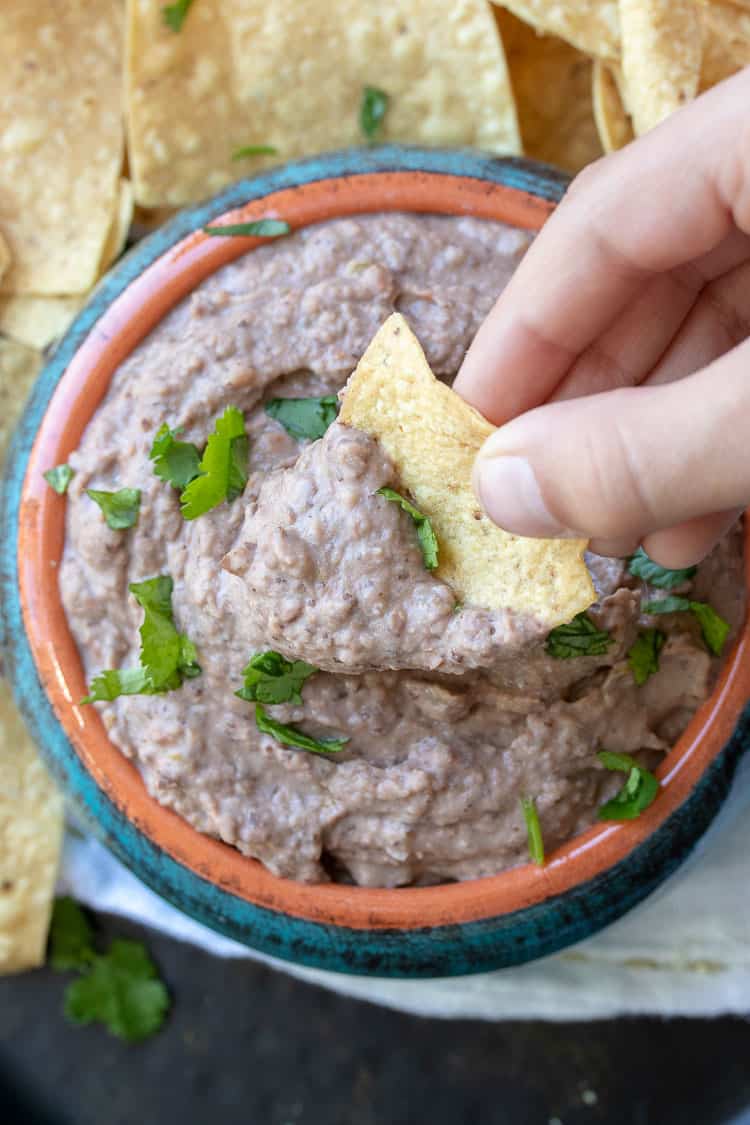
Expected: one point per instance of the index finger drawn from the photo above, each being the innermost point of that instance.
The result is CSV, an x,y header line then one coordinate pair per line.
x,y
661,202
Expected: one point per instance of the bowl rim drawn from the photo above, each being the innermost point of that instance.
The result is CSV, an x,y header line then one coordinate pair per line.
x,y
456,928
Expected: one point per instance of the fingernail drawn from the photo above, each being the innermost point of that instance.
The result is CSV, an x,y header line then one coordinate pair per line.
x,y
510,495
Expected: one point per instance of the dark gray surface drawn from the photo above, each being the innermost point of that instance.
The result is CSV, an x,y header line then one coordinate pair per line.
x,y
247,1045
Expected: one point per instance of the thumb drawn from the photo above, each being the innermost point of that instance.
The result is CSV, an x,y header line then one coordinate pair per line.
x,y
617,466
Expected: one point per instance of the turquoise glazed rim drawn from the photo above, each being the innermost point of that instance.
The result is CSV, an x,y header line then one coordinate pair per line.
x,y
637,857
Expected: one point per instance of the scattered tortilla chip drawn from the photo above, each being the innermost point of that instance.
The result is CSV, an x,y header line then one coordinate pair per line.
x,y
661,58
31,828
590,25
61,140
612,121
552,86
19,366
291,75
433,436
118,231
726,40
37,321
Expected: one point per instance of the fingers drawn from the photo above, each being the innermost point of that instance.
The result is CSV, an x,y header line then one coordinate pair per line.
x,y
656,205
619,466
689,542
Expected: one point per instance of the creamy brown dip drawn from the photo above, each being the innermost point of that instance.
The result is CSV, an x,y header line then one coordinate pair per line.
x,y
451,713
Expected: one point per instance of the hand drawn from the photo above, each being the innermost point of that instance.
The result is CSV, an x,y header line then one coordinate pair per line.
x,y
617,360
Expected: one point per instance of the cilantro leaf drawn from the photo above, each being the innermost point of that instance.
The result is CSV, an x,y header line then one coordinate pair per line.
x,y
641,566
120,508
425,533
580,637
70,936
259,228
304,418
638,792
223,466
176,462
291,736
643,656
254,150
714,628
269,678
122,991
167,658
534,830
174,14
372,111
59,478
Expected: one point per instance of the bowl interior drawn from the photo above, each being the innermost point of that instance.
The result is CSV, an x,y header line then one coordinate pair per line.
x,y
118,328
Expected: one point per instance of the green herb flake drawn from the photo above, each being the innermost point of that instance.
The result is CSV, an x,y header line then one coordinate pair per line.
x,y
641,566
270,678
260,228
223,467
167,658
580,637
120,988
638,792
254,150
70,936
372,111
176,462
120,509
425,533
306,419
714,628
534,830
59,478
643,656
174,14
294,738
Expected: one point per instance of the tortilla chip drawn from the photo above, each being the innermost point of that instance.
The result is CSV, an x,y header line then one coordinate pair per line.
x,y
661,58
433,436
31,828
120,228
726,40
291,75
37,321
62,140
612,121
19,366
552,85
592,26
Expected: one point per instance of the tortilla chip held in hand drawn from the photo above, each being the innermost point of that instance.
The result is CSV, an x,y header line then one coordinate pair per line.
x,y
433,436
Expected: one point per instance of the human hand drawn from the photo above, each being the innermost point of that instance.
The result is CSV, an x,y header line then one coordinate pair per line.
x,y
617,360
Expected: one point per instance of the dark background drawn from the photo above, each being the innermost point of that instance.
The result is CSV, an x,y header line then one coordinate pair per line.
x,y
245,1045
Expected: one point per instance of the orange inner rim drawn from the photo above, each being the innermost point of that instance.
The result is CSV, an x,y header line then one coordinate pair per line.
x,y
127,321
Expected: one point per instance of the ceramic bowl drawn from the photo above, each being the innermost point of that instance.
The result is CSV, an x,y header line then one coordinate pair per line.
x,y
413,932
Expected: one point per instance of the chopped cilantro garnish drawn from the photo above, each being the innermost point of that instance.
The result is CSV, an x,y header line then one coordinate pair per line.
x,y
119,988
176,462
638,792
270,678
304,418
713,627
425,533
533,829
174,14
167,657
641,566
254,150
643,656
120,508
223,467
372,110
580,637
59,478
260,228
291,736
